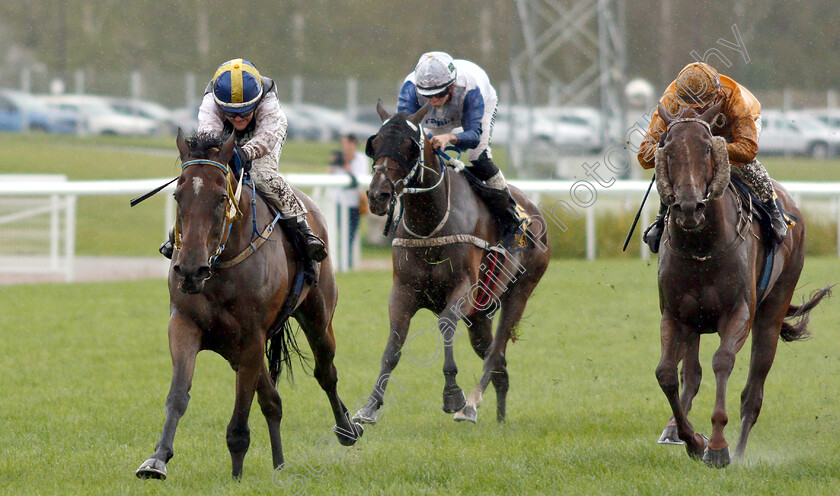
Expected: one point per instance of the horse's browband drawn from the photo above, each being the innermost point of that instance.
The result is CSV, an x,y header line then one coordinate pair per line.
x,y
204,161
689,119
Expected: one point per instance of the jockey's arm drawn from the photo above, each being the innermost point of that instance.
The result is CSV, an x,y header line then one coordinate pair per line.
x,y
408,99
270,128
473,111
651,141
744,145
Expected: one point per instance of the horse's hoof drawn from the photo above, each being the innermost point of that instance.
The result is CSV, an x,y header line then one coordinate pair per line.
x,y
669,436
454,400
467,414
366,415
717,458
349,440
152,469
696,449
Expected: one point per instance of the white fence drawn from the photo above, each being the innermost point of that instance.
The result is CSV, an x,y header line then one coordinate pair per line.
x,y
62,197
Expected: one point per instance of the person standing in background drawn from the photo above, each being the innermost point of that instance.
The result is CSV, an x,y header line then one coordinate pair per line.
x,y
350,161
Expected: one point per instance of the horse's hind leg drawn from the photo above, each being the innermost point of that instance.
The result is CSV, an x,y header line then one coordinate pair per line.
x,y
495,365
238,433
184,344
317,325
272,409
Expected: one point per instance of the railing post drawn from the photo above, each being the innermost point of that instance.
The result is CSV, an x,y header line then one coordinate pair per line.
x,y
70,239
55,232
590,233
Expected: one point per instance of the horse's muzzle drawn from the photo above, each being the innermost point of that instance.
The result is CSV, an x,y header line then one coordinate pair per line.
x,y
378,201
689,215
191,280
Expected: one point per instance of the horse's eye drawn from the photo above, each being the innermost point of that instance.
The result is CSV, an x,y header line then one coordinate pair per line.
x,y
223,200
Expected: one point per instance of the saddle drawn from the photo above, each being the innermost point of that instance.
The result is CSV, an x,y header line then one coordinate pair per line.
x,y
513,240
748,200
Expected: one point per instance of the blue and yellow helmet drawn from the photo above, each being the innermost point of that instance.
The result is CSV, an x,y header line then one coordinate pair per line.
x,y
237,86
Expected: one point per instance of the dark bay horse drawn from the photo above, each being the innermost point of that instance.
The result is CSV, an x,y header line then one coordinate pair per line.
x,y
226,295
441,264
711,257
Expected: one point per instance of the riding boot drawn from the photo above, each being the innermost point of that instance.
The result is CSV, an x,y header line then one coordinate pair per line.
x,y
513,220
168,247
510,216
778,225
654,232
305,243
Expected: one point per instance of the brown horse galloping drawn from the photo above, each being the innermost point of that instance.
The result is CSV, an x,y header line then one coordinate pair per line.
x,y
440,264
225,295
709,264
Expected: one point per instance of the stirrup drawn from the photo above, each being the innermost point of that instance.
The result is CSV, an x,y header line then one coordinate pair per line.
x,y
518,238
653,234
166,249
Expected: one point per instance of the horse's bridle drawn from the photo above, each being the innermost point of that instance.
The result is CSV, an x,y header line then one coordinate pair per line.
x,y
419,165
232,211
400,187
708,129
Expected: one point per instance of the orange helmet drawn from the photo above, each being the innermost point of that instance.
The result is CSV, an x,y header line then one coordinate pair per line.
x,y
698,84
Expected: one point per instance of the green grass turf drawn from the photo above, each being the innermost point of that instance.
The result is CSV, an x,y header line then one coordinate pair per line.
x,y
86,371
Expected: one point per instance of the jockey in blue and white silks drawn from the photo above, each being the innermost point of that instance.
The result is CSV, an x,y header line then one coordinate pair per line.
x,y
460,95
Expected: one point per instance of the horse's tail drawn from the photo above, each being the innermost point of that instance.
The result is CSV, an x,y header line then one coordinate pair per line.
x,y
279,350
798,330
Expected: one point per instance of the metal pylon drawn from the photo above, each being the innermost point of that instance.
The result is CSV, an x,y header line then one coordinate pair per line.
x,y
573,52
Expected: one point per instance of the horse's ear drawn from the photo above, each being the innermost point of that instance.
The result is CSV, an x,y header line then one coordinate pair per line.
x,y
183,147
226,152
664,114
709,115
416,117
380,109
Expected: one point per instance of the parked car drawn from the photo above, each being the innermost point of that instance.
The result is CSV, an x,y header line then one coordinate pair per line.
x,y
523,125
796,133
149,110
100,118
829,117
21,111
336,122
303,126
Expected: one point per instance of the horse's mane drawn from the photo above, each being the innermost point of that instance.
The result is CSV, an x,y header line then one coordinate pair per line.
x,y
201,144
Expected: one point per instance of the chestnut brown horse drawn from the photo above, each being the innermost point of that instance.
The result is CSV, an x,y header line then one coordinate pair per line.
x,y
227,286
709,262
443,262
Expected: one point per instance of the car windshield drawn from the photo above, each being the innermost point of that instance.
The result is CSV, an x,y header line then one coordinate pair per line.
x,y
808,123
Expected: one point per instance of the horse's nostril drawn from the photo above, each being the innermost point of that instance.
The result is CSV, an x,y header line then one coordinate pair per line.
x,y
202,273
700,208
382,196
177,269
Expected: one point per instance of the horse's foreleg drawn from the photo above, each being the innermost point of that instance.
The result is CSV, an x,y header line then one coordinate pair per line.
x,y
400,314
453,396
184,344
690,375
238,433
732,337
671,335
272,408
